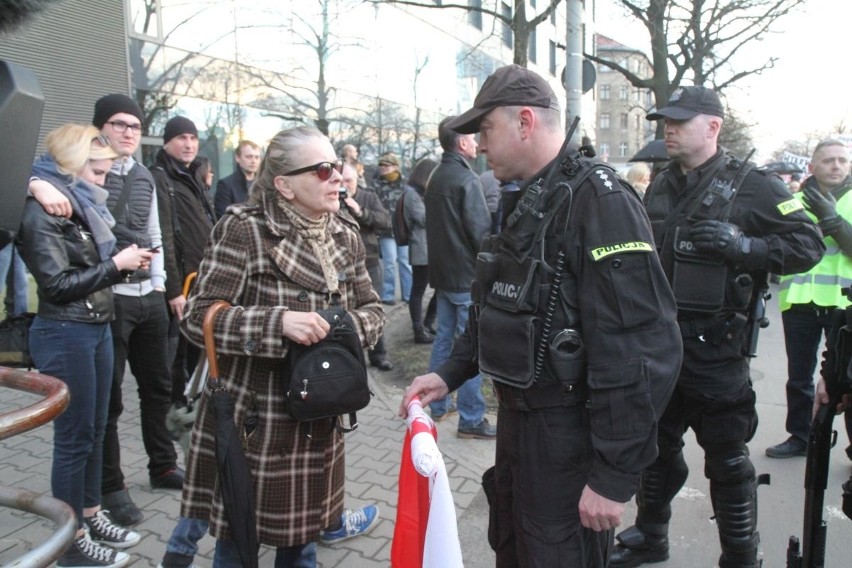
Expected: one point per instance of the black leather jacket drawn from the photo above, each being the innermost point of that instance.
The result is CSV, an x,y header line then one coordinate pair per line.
x,y
74,284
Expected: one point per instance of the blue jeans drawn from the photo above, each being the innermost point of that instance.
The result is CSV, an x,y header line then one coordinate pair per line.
x,y
452,318
304,556
185,536
6,255
80,355
394,256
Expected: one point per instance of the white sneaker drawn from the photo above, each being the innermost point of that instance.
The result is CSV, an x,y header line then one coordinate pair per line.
x,y
103,531
84,553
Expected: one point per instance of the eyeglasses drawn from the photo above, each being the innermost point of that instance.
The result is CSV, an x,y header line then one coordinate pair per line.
x,y
101,141
323,169
120,126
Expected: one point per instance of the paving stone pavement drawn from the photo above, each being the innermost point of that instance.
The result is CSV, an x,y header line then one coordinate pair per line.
x,y
372,467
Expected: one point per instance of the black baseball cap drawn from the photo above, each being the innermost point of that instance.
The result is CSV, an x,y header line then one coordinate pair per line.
x,y
688,102
511,85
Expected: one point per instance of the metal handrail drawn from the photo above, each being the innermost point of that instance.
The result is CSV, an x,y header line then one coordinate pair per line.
x,y
55,401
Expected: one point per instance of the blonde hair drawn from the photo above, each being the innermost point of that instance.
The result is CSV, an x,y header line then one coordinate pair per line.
x,y
72,146
637,175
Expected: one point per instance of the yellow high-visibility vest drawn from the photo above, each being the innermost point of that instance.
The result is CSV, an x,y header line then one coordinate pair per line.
x,y
822,283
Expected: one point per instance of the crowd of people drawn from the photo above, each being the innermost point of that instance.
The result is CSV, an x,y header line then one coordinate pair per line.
x,y
610,315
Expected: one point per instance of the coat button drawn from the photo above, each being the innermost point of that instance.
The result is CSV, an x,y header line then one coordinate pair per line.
x,y
250,346
616,263
303,296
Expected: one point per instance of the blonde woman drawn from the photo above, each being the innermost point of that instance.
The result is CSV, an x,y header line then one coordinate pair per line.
x,y
74,263
639,176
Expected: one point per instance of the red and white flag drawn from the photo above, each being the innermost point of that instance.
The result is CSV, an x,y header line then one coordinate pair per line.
x,y
426,534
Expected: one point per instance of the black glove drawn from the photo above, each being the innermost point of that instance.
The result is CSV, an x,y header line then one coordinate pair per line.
x,y
722,238
822,205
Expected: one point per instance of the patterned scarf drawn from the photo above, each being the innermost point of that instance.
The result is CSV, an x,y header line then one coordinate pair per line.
x,y
317,234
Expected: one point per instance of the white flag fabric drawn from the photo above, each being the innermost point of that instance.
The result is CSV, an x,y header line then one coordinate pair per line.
x,y
426,532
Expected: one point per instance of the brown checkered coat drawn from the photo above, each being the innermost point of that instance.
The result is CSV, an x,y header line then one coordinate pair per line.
x,y
258,263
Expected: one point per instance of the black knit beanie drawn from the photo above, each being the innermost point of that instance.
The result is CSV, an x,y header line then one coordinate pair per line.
x,y
110,105
177,126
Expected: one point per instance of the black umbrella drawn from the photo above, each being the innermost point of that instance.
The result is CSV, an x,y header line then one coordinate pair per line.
x,y
653,151
235,478
782,168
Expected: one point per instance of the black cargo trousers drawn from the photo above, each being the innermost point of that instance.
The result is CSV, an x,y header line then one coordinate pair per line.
x,y
543,459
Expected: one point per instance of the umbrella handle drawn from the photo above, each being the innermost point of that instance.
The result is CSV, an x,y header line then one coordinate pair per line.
x,y
209,340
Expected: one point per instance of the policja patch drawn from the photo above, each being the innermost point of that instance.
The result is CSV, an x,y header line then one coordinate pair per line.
x,y
600,253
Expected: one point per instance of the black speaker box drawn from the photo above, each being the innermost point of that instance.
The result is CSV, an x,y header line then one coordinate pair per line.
x,y
21,105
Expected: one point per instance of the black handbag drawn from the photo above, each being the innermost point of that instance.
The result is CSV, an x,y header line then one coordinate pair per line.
x,y
15,341
329,378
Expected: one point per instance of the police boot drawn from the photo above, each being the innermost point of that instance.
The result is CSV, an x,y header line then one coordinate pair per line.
x,y
637,546
736,517
648,541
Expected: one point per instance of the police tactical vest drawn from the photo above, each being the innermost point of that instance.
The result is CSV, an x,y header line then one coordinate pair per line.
x,y
701,283
525,295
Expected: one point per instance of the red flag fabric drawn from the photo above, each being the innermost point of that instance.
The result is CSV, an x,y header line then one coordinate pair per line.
x,y
426,533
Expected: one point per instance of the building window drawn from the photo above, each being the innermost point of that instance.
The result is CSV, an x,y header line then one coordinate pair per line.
x,y
506,12
603,68
638,125
532,47
623,93
604,92
623,121
552,57
474,17
604,150
604,121
622,150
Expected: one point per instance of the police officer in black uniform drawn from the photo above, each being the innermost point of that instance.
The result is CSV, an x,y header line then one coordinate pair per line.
x,y
719,225
576,326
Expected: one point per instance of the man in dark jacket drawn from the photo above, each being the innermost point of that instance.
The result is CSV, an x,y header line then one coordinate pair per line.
x,y
186,219
457,219
720,225
372,217
235,187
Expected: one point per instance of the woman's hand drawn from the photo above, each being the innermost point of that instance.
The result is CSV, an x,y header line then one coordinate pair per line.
x,y
305,328
133,258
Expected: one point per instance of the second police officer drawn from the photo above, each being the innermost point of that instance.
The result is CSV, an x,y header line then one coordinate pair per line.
x,y
719,225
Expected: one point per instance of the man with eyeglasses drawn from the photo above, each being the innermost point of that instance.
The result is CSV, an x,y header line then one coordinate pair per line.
x,y
140,329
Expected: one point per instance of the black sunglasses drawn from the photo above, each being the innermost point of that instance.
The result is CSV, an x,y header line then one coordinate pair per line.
x,y
323,169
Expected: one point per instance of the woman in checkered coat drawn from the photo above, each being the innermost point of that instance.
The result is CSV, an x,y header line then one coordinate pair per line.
x,y
277,260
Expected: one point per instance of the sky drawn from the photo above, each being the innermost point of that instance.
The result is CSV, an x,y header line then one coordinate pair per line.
x,y
806,90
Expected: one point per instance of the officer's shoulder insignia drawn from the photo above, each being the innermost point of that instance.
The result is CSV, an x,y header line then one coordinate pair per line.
x,y
790,206
599,253
604,180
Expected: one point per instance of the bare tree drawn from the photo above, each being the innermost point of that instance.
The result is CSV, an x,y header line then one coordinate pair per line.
x,y
157,91
521,27
699,40
306,90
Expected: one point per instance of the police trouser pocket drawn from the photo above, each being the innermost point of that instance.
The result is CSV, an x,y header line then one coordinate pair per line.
x,y
620,403
698,280
489,487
